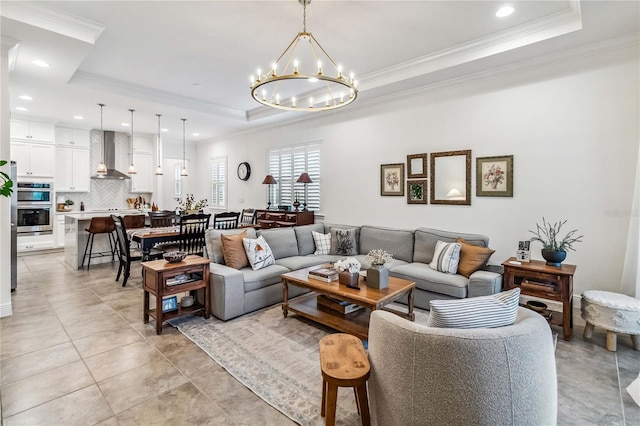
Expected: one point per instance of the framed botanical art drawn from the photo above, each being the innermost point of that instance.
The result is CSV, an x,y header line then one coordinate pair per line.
x,y
494,176
392,179
416,166
417,191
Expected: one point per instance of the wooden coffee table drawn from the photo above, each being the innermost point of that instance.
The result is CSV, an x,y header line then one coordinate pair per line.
x,y
356,323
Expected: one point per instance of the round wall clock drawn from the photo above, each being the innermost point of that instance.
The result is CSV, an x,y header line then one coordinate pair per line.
x,y
244,170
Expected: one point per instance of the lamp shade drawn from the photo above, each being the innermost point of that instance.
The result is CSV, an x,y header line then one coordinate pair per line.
x,y
269,180
455,192
304,178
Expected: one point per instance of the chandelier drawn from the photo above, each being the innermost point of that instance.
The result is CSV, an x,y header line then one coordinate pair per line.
x,y
289,86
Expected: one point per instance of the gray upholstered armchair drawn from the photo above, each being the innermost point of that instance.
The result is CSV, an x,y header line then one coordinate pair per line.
x,y
435,376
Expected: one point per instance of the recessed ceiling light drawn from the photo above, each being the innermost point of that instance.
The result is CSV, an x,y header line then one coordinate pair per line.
x,y
26,97
505,11
197,84
78,117
124,124
164,130
21,109
196,134
40,63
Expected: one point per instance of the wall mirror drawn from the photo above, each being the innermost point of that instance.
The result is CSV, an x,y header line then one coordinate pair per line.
x,y
451,177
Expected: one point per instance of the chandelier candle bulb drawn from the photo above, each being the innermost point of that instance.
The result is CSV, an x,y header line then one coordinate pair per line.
x,y
295,66
264,95
310,102
293,101
319,67
277,99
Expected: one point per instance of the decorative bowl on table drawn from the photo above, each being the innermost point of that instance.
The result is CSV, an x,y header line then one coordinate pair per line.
x,y
174,256
536,306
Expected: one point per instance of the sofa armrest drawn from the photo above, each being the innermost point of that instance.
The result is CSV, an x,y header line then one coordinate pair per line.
x,y
227,291
484,283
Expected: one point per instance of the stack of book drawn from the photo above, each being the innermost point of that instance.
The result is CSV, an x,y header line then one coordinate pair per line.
x,y
324,274
338,305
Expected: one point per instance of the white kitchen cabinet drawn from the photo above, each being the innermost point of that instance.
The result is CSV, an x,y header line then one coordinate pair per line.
x,y
29,243
58,231
73,172
78,138
33,159
142,181
142,145
32,131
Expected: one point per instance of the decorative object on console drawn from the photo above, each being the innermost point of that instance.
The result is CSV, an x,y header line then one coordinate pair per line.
x,y
333,88
554,248
132,169
269,180
348,274
416,166
174,256
102,167
417,191
183,172
187,301
159,149
450,169
170,304
523,254
392,179
378,274
304,178
494,176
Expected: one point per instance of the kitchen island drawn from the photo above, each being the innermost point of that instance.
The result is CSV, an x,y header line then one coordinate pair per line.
x,y
76,236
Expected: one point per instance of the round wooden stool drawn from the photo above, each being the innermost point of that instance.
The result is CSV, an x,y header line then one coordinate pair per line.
x,y
344,363
615,312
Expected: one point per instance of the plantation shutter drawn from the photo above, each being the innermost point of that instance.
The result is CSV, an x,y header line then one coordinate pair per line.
x,y
219,182
286,165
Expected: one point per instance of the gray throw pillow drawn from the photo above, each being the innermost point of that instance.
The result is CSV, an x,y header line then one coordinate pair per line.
x,y
343,241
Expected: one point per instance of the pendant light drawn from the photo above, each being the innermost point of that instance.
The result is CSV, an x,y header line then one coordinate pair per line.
x,y
102,168
183,172
132,169
159,149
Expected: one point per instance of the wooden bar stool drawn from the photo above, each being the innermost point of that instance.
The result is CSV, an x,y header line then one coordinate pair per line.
x,y
344,363
99,225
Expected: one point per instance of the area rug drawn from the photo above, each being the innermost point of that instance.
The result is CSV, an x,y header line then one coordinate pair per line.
x,y
277,358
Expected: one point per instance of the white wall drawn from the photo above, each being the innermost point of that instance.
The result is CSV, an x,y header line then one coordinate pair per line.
x,y
572,129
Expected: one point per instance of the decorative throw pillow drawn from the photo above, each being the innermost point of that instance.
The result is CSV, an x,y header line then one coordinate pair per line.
x,y
258,252
446,257
343,241
322,242
472,257
496,310
233,250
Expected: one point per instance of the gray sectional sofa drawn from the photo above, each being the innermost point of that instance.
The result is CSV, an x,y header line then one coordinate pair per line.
x,y
236,292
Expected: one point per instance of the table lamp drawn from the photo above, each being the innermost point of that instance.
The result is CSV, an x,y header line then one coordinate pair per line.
x,y
269,180
304,178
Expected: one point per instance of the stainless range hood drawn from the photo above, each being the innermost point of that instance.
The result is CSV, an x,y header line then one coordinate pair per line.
x,y
109,149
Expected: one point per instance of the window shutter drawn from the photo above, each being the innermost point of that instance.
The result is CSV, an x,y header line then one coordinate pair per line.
x,y
287,164
219,182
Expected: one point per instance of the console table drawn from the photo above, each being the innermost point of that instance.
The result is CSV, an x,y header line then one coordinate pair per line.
x,y
283,218
537,279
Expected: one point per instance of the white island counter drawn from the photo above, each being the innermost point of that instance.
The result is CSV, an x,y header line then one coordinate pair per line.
x,y
76,236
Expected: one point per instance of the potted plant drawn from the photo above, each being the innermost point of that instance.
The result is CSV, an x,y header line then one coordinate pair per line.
x,y
554,247
6,184
348,271
190,205
378,274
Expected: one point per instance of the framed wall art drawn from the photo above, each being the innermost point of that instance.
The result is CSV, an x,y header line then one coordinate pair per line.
x,y
417,191
416,166
392,179
451,177
170,304
494,176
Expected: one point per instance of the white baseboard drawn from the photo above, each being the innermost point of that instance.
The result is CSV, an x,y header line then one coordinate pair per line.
x,y
5,310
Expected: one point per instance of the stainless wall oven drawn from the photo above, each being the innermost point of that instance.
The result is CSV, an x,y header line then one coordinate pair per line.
x,y
35,208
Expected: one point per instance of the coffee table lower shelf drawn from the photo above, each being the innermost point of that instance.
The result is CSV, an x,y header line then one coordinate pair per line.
x,y
355,323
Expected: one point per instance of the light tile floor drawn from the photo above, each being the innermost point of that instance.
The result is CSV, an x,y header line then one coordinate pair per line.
x,y
76,352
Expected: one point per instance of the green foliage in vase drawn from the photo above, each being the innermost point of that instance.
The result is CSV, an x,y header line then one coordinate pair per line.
x,y
549,235
7,184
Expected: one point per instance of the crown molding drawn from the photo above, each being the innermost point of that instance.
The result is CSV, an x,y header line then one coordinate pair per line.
x,y
11,46
45,17
129,89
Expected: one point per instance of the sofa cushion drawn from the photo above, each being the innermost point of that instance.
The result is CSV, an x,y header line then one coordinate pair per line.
x,y
472,257
214,245
233,250
454,285
305,240
398,242
343,241
496,310
426,238
328,226
446,257
322,242
254,280
282,241
294,263
258,252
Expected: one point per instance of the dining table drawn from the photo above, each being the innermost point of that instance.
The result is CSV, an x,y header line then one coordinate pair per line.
x,y
149,237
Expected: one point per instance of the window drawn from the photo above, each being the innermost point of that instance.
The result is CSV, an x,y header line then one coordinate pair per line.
x,y
218,183
286,165
177,180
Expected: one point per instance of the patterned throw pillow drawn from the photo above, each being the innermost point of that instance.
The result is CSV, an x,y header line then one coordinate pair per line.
x,y
343,241
258,252
496,310
446,257
322,241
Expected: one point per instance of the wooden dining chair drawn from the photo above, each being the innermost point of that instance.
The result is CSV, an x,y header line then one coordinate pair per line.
x,y
248,217
226,220
192,230
126,253
161,219
133,221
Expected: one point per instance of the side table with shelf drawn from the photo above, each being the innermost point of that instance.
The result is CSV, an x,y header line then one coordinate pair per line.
x,y
537,279
162,279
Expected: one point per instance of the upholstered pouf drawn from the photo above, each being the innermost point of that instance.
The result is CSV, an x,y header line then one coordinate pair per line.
x,y
617,313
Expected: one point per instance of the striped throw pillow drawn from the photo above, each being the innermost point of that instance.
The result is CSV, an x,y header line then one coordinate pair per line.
x,y
496,310
446,257
322,241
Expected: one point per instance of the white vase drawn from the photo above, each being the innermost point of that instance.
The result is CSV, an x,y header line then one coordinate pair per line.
x,y
378,276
